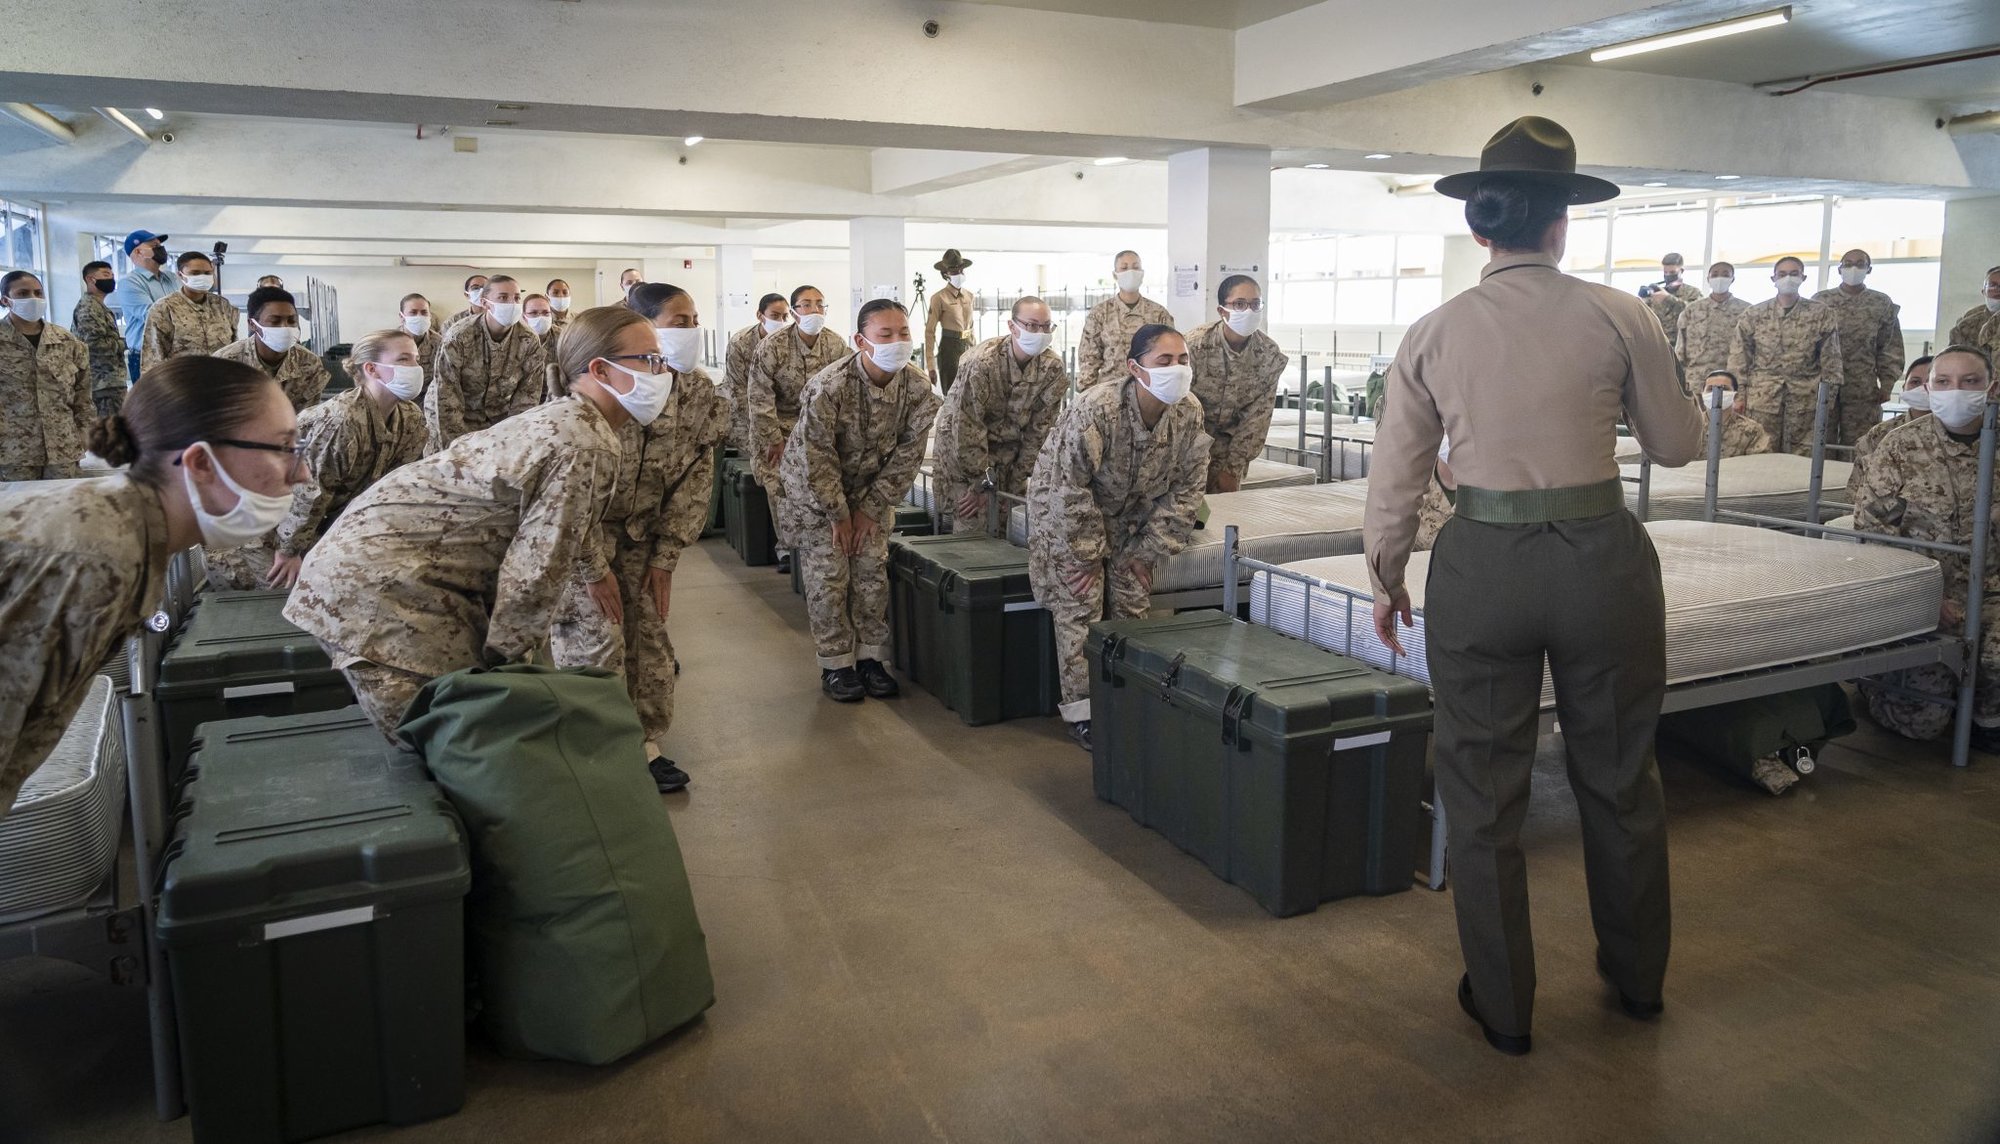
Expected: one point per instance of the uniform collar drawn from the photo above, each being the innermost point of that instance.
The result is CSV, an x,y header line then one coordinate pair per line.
x,y
1514,261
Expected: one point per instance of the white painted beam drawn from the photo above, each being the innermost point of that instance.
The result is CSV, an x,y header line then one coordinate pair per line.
x,y
904,171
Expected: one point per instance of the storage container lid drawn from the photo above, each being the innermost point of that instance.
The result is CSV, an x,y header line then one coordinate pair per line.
x,y
238,636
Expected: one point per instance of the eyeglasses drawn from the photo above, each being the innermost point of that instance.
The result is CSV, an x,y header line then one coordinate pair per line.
x,y
296,450
1035,327
654,362
1245,305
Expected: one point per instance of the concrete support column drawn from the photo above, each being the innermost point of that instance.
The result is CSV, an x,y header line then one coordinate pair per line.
x,y
1971,246
735,291
875,266
1218,224
68,249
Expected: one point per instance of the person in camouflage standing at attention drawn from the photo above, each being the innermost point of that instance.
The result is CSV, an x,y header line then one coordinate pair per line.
x,y
785,362
617,619
1009,392
195,319
45,407
273,346
1782,350
1921,482
1108,328
851,458
1871,349
1701,339
94,325
458,560
489,368
1236,372
1114,492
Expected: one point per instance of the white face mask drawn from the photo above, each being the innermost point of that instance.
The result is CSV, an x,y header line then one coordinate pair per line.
x,y
1959,409
472,295
681,347
1728,398
1992,305
1169,383
559,305
417,324
28,309
405,381
957,281
810,324
1788,284
773,325
1917,397
199,283
505,313
1032,344
649,394
1720,285
278,339
254,514
1241,322
1130,280
1853,275
540,323
890,357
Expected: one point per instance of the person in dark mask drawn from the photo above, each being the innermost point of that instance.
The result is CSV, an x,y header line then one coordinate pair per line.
x,y
97,328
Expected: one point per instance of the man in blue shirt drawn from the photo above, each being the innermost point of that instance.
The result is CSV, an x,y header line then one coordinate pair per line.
x,y
147,282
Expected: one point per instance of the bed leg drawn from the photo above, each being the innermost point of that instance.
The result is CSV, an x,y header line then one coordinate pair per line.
x,y
1436,880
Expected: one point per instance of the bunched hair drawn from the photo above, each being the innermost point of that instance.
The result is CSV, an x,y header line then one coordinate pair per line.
x,y
1142,342
647,299
875,307
1514,214
176,403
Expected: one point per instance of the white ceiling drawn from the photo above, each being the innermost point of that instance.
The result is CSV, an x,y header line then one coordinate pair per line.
x,y
1229,14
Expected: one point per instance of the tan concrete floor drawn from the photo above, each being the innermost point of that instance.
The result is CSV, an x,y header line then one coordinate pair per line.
x,y
923,931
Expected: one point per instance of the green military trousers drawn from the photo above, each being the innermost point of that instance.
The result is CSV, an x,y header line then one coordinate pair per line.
x,y
1585,596
952,345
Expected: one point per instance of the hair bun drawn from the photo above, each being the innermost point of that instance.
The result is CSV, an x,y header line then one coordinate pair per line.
x,y
111,438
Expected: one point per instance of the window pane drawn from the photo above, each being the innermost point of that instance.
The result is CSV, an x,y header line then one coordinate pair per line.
x,y
1914,286
1305,303
1758,234
1420,254
1888,228
1642,236
1309,257
1586,245
27,246
1366,302
1629,281
1416,297
1368,255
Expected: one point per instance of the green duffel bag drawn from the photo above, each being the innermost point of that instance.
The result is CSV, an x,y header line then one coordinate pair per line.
x,y
580,929
1735,735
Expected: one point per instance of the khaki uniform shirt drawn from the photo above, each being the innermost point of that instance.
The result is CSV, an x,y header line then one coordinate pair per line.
x,y
1965,331
950,310
783,366
739,358
996,417
1799,347
1871,340
857,445
1107,337
665,471
1106,488
1921,483
349,445
1578,358
94,326
45,406
178,326
482,380
301,373
1701,343
81,565
1238,390
459,559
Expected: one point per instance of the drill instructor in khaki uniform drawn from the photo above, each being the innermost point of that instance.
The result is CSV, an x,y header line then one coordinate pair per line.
x,y
948,322
1529,373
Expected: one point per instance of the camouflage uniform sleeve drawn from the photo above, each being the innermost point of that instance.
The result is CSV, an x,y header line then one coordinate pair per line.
x,y
686,512
444,403
1681,337
899,469
972,454
308,383
1889,352
1966,330
1057,383
331,453
82,409
1079,453
1249,416
1090,351
156,344
1172,521
763,397
814,436
1879,504
559,529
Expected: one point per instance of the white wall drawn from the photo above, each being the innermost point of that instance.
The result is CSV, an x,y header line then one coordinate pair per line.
x,y
1971,245
370,295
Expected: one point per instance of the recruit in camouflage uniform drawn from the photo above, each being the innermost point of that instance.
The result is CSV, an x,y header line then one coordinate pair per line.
x,y
45,406
1741,436
1779,358
81,565
458,560
1701,340
1871,441
301,373
1986,337
995,418
94,325
1238,390
1107,338
347,445
658,506
779,371
427,352
1108,493
738,360
1921,483
1871,357
1965,331
1669,310
179,326
856,448
483,379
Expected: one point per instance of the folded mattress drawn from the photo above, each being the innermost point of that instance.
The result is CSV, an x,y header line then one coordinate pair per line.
x,y
1770,484
1275,525
1782,582
61,839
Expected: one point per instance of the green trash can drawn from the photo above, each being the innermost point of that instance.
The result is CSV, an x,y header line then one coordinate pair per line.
x,y
964,626
1292,772
238,656
312,915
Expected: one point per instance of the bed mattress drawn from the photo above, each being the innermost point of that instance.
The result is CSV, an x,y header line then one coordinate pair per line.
x,y
1780,614
1772,484
1277,526
1265,474
61,838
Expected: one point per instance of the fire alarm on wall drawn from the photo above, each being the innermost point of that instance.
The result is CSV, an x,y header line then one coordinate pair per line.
x,y
687,264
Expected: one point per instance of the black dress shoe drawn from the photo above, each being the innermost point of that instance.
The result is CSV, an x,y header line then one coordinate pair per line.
x,y
1637,1010
1511,1045
784,564
1080,731
668,777
877,680
842,685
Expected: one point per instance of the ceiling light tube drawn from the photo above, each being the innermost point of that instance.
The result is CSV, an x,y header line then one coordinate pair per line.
x,y
28,115
1108,161
692,140
123,120
156,113
1769,19
1378,155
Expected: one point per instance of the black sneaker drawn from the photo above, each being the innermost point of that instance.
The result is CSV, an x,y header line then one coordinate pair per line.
x,y
784,564
668,777
878,681
1080,731
842,685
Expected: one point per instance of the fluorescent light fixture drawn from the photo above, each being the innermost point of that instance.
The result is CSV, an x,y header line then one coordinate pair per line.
x,y
113,115
1108,161
692,140
1714,31
1652,184
1317,166
1378,155
1728,178
155,113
